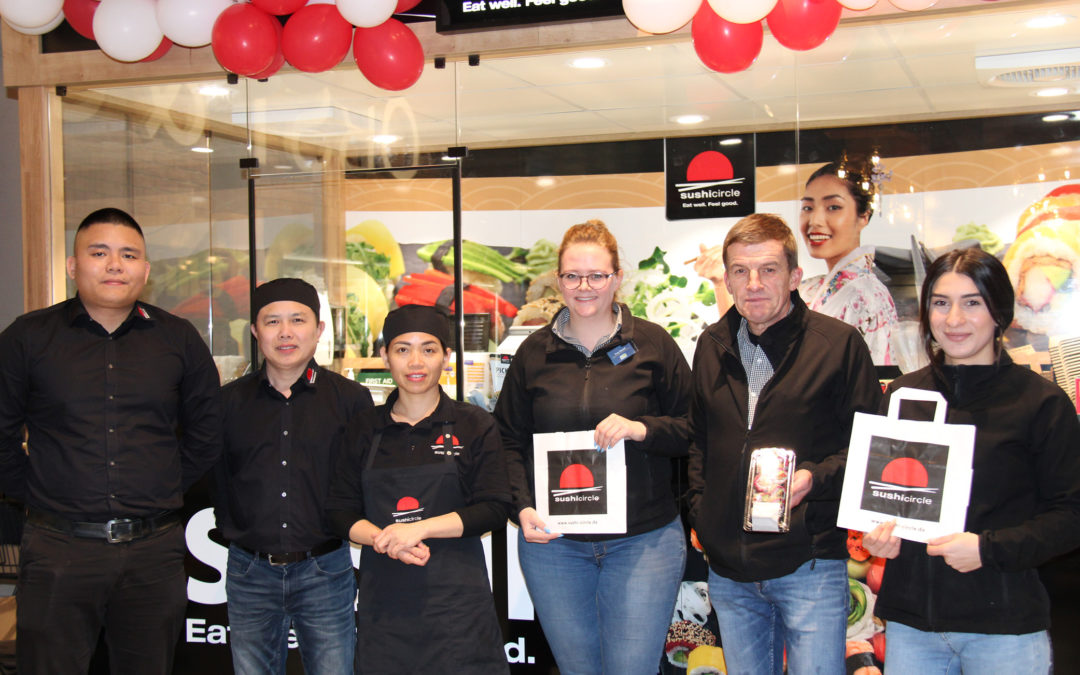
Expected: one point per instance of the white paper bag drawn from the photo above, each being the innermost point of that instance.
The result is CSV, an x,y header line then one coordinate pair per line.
x,y
916,473
578,489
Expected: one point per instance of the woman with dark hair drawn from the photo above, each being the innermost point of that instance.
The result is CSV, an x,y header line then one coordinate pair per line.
x,y
835,207
604,600
972,601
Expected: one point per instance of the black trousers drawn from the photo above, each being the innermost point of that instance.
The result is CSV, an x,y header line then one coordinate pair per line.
x,y
70,588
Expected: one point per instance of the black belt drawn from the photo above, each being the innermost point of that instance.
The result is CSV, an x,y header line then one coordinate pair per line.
x,y
114,531
277,559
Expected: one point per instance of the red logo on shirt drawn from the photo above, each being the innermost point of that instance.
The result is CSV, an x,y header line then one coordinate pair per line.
x,y
439,446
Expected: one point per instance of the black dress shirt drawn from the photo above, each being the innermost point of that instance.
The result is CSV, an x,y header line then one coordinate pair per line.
x,y
273,479
117,424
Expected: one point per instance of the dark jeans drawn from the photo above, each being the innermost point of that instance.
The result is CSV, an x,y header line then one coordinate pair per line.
x,y
314,596
70,588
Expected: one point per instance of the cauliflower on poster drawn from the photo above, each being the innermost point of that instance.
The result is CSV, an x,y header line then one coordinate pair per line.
x,y
652,292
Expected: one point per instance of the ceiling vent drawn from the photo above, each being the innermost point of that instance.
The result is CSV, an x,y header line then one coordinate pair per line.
x,y
1030,69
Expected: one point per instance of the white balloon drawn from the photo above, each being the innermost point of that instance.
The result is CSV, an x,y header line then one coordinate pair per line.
x,y
127,30
37,30
913,5
189,23
366,13
858,4
30,13
742,11
660,16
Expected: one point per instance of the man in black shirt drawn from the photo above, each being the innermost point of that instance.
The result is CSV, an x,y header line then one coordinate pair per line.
x,y
120,402
282,424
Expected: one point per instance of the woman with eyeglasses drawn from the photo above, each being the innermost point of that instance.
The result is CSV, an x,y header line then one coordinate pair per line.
x,y
604,600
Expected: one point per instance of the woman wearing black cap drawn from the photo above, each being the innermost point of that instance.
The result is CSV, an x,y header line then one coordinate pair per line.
x,y
421,479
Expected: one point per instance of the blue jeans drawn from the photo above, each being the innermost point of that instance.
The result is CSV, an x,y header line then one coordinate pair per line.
x,y
909,650
605,606
805,610
314,596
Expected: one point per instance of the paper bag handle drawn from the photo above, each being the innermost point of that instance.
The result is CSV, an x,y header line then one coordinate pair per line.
x,y
911,394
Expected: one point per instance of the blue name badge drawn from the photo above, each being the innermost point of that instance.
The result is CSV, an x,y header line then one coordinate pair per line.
x,y
621,353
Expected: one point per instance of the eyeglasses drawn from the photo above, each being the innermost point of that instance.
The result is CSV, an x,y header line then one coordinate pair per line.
x,y
598,281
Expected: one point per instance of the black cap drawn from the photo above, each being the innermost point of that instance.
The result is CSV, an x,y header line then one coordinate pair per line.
x,y
416,319
296,290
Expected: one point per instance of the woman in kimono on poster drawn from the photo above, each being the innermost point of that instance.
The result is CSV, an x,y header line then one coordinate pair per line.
x,y
972,601
836,206
604,600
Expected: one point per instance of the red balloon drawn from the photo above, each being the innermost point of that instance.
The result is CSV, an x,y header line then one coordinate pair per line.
x,y
316,38
162,48
724,46
277,63
279,7
389,55
244,39
80,14
405,5
804,24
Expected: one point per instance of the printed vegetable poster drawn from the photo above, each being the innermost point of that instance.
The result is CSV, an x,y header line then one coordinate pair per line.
x,y
917,473
579,490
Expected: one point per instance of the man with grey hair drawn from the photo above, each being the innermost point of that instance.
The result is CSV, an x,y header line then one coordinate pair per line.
x,y
773,374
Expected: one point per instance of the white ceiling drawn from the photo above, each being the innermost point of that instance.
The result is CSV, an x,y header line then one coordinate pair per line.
x,y
913,67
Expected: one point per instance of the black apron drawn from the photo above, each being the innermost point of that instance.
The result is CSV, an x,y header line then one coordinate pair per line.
x,y
439,618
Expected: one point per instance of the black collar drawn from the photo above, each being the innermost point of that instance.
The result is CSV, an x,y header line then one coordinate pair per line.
x,y
307,380
779,338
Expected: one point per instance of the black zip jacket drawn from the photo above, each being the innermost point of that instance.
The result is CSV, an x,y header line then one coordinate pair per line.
x,y
1024,504
552,386
822,376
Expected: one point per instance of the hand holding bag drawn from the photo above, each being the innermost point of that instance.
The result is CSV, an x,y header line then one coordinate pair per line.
x,y
916,473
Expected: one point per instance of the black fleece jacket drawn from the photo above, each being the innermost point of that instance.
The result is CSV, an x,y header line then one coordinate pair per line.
x,y
552,386
822,376
1024,503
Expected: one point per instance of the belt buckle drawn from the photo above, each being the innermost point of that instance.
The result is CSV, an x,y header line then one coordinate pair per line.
x,y
120,530
270,559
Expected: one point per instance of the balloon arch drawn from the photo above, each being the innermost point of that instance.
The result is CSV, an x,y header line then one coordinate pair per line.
x,y
257,38
254,39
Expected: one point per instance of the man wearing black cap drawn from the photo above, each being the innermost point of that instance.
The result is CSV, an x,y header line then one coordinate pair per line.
x,y
420,480
282,425
120,403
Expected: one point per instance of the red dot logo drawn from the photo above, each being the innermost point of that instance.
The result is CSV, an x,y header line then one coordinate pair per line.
x,y
407,504
576,476
905,471
709,165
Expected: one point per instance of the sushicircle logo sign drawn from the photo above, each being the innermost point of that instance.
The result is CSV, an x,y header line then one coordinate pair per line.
x,y
452,15
407,510
905,478
709,177
577,481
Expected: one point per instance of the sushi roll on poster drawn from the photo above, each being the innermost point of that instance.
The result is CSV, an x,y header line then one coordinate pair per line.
x,y
579,489
1044,264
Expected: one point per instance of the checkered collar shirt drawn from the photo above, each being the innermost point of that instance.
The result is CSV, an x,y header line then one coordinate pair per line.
x,y
757,366
563,319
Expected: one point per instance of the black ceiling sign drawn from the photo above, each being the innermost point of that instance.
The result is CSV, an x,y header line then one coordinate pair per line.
x,y
710,176
456,15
